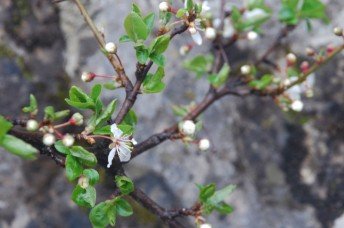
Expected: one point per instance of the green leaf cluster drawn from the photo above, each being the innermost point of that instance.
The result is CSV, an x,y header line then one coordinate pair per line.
x,y
200,65
13,144
212,199
292,11
263,82
32,108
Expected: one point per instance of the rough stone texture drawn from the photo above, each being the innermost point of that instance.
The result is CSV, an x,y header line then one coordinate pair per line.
x,y
288,174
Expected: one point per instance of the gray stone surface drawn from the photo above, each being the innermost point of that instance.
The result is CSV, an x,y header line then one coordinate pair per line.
x,y
288,174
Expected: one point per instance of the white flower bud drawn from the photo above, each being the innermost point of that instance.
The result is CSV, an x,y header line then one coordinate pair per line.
x,y
77,119
210,33
83,182
204,144
31,125
205,225
48,139
111,48
164,6
184,50
338,31
192,30
87,76
297,106
291,59
245,69
252,35
188,127
68,140
133,141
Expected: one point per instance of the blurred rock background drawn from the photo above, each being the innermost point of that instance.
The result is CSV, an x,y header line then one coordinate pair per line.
x,y
289,169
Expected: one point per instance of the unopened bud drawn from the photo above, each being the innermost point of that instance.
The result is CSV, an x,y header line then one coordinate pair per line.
x,y
252,35
87,76
68,140
83,182
184,49
164,6
210,33
77,119
291,59
188,127
304,66
338,31
297,106
32,125
192,30
245,69
205,225
330,48
111,48
204,144
48,139
310,51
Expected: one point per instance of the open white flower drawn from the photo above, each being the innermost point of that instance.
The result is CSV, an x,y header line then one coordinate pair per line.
x,y
194,28
121,144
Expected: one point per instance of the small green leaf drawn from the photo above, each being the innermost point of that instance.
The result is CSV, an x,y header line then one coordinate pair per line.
x,y
142,54
107,113
135,8
159,45
200,65
96,91
224,208
135,27
181,12
103,130
18,147
49,113
84,197
73,168
125,184
32,108
85,157
124,38
103,214
262,83
123,207
153,83
92,176
61,114
61,148
149,21
126,129
206,192
158,60
221,194
189,5
5,126
221,77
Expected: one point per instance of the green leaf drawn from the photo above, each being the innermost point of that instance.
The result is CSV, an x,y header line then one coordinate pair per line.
x,y
181,12
79,99
153,83
18,147
159,45
49,113
142,54
5,126
224,208
84,197
61,114
206,192
189,5
107,113
158,60
103,214
288,15
313,9
124,38
200,65
61,148
73,168
221,77
92,176
130,118
262,83
123,207
135,27
179,110
110,86
136,9
96,91
126,129
149,21
103,130
32,108
221,194
84,157
125,184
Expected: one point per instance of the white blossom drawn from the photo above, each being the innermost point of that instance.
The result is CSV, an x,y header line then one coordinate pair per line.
x,y
121,144
48,139
210,33
164,6
111,47
32,125
297,106
87,76
68,140
245,69
205,225
291,58
228,29
188,127
204,144
252,35
194,31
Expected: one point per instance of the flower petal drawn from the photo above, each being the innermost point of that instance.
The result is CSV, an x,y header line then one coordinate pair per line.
x,y
117,133
123,154
111,156
197,38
